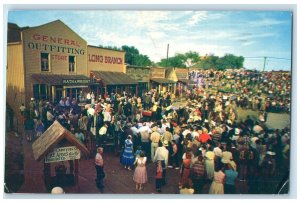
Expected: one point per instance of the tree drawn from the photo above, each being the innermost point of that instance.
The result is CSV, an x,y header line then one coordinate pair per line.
x,y
132,55
220,63
110,47
191,58
180,60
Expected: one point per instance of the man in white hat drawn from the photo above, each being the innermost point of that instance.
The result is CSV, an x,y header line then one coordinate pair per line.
x,y
154,137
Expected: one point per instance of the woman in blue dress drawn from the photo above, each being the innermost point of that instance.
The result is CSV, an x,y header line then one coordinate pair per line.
x,y
128,158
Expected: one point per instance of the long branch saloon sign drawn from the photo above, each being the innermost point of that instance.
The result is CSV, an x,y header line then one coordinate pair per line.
x,y
63,154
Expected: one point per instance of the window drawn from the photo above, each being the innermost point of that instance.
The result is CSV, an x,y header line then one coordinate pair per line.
x,y
44,61
73,93
72,63
40,91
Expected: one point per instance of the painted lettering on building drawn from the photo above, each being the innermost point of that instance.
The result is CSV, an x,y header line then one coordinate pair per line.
x,y
105,59
55,40
54,48
157,73
59,57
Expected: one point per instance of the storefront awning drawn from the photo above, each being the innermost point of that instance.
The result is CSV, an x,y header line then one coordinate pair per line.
x,y
186,81
114,78
162,80
65,80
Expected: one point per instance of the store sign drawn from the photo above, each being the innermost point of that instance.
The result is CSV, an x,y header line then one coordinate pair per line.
x,y
76,81
63,154
157,73
104,59
181,73
55,44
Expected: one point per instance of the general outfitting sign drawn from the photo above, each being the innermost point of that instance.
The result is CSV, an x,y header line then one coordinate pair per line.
x,y
63,154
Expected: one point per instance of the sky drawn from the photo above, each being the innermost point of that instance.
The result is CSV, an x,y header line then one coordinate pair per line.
x,y
252,34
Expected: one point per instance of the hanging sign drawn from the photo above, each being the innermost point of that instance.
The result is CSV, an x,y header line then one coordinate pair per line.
x,y
76,81
63,154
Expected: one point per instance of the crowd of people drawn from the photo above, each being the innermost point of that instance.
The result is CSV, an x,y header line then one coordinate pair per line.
x,y
202,138
266,91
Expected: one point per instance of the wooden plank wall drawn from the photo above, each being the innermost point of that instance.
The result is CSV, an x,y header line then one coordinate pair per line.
x,y
15,95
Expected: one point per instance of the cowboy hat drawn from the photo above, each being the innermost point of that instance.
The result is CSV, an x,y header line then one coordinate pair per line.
x,y
210,155
226,158
166,143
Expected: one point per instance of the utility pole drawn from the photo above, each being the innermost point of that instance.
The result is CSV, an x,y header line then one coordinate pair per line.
x,y
167,55
265,59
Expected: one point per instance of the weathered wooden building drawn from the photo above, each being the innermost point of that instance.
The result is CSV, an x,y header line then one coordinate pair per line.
x,y
51,61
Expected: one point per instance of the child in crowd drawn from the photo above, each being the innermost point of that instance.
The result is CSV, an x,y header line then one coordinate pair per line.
x,y
40,128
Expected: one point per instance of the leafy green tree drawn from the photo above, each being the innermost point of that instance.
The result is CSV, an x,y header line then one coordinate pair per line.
x,y
191,58
132,55
181,60
220,63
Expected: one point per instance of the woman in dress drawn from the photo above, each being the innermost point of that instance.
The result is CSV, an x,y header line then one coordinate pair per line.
x,y
185,172
217,186
210,163
128,158
140,173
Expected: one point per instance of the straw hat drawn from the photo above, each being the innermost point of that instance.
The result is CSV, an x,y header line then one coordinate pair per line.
x,y
218,151
210,155
154,129
166,143
226,158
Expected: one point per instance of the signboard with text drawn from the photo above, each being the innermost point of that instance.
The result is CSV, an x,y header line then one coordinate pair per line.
x,y
76,81
63,154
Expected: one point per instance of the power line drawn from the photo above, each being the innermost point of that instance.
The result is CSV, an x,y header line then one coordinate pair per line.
x,y
269,57
265,58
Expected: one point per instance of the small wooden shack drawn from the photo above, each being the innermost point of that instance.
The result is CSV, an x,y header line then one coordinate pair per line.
x,y
58,145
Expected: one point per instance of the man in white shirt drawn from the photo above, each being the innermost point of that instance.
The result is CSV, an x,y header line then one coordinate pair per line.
x,y
99,165
145,139
155,137
90,112
22,109
88,98
186,131
162,154
195,133
102,134
107,116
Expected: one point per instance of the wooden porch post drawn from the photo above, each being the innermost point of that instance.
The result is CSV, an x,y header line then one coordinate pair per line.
x,y
76,174
76,171
47,174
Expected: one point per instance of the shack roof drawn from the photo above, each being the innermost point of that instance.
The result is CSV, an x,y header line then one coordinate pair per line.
x,y
51,137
